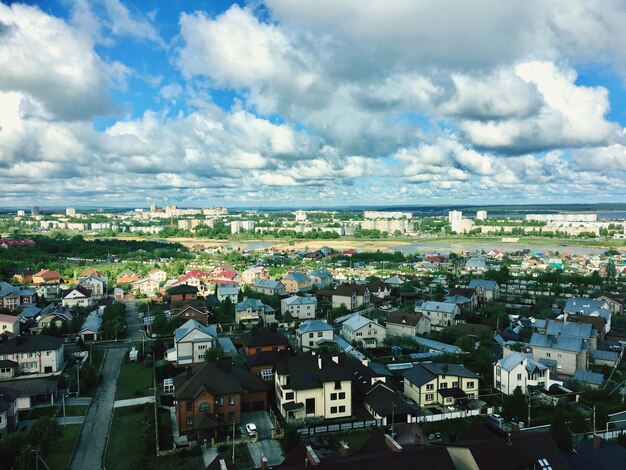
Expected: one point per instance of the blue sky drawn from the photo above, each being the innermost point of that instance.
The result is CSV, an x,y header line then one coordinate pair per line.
x,y
311,103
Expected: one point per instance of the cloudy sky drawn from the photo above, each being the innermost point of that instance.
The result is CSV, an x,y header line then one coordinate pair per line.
x,y
312,102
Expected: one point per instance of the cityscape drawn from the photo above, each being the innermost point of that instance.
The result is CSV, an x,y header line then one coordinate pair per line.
x,y
271,234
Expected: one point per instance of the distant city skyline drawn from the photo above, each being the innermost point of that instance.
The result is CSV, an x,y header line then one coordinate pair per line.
x,y
315,103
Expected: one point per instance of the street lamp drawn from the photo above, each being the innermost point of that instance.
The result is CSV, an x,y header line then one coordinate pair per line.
x,y
393,418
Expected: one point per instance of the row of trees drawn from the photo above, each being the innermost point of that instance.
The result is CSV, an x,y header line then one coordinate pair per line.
x,y
114,321
18,449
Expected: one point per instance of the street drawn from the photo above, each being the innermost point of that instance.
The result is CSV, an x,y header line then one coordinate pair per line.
x,y
93,437
134,331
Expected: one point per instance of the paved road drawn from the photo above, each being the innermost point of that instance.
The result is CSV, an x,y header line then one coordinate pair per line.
x,y
92,440
133,327
266,448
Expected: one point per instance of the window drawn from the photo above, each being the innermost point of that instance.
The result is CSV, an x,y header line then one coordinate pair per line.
x,y
309,405
204,407
429,397
519,376
310,335
258,350
558,356
443,385
342,409
333,409
266,374
231,400
231,416
289,396
189,421
430,387
333,396
219,401
455,384
342,395
311,343
337,384
548,355
319,334
189,405
470,384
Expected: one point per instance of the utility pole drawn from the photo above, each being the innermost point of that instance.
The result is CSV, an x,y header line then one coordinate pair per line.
x,y
393,418
594,418
78,379
528,410
233,441
64,418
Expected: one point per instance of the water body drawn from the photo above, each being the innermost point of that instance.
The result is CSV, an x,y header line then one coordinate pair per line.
x,y
447,247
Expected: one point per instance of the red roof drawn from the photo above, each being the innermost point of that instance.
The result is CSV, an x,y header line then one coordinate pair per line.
x,y
227,275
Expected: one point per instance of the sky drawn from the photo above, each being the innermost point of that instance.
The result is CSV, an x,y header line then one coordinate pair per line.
x,y
312,103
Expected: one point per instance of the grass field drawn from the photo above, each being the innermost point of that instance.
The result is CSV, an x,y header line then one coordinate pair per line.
x,y
135,380
130,440
59,457
38,412
166,439
354,439
243,459
74,410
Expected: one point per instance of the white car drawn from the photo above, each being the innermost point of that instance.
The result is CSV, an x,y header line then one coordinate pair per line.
x,y
251,429
497,418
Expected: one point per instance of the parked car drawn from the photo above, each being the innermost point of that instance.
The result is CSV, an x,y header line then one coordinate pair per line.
x,y
496,418
251,429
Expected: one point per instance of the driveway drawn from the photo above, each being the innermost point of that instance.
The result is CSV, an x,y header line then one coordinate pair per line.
x,y
266,448
93,436
262,421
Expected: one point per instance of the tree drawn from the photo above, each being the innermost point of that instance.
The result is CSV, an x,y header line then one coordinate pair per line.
x,y
45,433
26,458
290,438
558,429
515,406
213,354
579,423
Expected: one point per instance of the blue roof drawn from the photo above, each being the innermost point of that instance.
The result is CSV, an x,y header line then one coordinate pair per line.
x,y
298,277
227,345
320,273
604,355
300,300
267,283
432,306
484,283
515,358
29,312
457,299
254,304
575,305
589,377
313,325
576,330
93,322
562,343
227,290
192,324
436,345
357,321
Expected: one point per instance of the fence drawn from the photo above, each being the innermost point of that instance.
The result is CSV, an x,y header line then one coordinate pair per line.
x,y
444,416
323,428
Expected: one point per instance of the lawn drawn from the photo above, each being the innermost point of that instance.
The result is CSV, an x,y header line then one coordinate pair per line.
x,y
97,356
74,410
184,460
131,442
354,439
135,380
38,412
166,439
243,459
59,457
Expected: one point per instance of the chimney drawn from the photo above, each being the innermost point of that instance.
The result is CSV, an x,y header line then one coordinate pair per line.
x,y
597,442
312,457
391,444
319,362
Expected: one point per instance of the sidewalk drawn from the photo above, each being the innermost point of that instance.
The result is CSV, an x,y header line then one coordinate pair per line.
x,y
133,402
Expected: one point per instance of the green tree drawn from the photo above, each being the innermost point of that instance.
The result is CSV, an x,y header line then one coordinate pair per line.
x,y
558,429
515,406
45,433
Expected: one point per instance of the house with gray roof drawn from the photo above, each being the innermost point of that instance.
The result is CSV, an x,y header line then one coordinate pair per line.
x,y
297,282
225,291
369,333
35,354
439,384
252,311
577,307
567,353
521,370
12,297
313,333
300,307
321,277
269,287
476,264
587,377
91,328
441,314
191,342
486,290
9,416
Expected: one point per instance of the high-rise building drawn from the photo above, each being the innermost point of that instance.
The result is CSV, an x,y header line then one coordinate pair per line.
x,y
481,215
21,213
300,216
34,210
454,215
70,211
153,207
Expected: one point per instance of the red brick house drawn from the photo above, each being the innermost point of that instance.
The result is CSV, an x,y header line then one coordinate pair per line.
x,y
182,293
262,348
209,397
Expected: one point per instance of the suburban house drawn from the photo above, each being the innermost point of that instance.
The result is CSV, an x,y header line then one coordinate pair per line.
x,y
252,311
262,347
35,354
182,293
312,386
400,324
576,307
297,282
158,275
312,334
12,297
464,297
429,384
563,354
362,330
227,291
24,276
476,264
253,274
520,370
189,311
378,289
441,314
47,276
194,278
95,283
8,369
302,308
350,296
9,325
54,316
486,290
146,286
191,342
79,296
211,397
395,281
321,277
127,276
9,417
615,302
269,287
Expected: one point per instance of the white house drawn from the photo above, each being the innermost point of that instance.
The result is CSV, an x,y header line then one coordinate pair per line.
x,y
146,286
360,329
400,324
253,311
309,386
158,275
37,354
96,284
486,290
302,308
9,416
269,287
191,342
9,324
79,296
520,370
224,292
441,314
312,334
